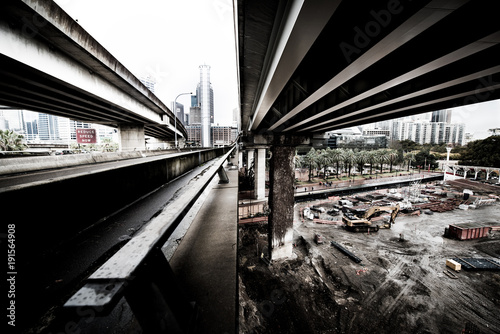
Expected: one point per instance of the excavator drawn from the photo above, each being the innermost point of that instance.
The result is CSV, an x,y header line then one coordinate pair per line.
x,y
356,224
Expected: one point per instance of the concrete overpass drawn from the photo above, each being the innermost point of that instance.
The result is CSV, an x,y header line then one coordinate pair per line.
x,y
307,67
50,64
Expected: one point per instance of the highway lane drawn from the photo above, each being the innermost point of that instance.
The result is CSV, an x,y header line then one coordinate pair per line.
x,y
51,275
44,175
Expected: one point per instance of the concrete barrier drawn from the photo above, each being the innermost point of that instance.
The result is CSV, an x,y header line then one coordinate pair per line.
x,y
29,164
51,210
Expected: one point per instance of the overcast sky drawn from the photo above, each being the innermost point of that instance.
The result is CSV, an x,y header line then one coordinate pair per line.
x,y
169,39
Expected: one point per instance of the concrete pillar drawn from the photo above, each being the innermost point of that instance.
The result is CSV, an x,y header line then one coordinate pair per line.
x,y
131,137
240,160
465,172
260,174
281,202
250,158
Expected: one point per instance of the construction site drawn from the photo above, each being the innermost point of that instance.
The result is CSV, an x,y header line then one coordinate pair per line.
x,y
423,258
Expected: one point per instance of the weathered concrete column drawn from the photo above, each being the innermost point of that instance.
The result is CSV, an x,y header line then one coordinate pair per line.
x,y
240,159
260,174
250,158
131,137
281,202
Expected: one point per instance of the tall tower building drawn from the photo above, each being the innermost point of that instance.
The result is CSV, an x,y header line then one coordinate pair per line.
x,y
48,127
205,95
441,116
179,111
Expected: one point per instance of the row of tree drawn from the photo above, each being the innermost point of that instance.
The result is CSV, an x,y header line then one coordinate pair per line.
x,y
348,159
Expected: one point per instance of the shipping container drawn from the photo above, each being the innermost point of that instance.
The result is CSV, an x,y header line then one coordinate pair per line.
x,y
468,231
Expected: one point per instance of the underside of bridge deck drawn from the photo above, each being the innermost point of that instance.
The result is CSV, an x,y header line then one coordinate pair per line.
x,y
309,67
318,67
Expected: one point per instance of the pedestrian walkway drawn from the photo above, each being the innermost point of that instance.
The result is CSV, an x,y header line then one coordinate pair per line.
x,y
205,262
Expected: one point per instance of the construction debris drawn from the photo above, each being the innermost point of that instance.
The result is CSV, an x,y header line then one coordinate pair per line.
x,y
478,263
345,251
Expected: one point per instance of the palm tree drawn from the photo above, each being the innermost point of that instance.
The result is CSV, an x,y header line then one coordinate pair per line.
x,y
409,156
310,159
381,158
336,156
392,157
371,158
324,160
348,158
360,159
11,141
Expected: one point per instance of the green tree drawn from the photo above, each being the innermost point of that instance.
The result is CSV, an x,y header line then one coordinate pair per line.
x,y
324,160
310,160
484,153
336,156
381,158
11,141
409,145
425,159
392,157
371,158
409,157
348,158
360,158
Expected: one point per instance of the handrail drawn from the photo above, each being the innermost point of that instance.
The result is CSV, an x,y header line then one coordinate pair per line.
x,y
140,267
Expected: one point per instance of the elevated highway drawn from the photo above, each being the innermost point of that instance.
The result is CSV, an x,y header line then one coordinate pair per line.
x,y
50,64
304,67
307,67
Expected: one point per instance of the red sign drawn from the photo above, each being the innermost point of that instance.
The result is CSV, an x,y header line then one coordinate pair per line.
x,y
86,136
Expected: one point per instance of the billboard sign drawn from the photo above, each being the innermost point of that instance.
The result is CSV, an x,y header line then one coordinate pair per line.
x,y
86,136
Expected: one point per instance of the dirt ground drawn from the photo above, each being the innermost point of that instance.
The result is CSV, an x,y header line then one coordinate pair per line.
x,y
399,287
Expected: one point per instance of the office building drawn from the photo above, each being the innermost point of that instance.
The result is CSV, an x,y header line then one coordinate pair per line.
x,y
205,96
443,116
425,132
179,111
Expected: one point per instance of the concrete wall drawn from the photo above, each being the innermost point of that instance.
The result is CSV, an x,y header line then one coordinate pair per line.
x,y
47,213
35,163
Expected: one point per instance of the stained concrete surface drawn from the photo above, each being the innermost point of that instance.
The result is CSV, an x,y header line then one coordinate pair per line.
x,y
205,261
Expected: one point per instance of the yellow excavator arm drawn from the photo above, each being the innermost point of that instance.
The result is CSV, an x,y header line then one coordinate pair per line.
x,y
374,209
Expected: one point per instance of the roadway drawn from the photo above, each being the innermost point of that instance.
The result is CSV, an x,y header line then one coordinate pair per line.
x,y
51,275
50,175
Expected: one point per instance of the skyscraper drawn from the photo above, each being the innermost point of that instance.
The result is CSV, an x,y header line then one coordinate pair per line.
x,y
441,116
205,96
48,128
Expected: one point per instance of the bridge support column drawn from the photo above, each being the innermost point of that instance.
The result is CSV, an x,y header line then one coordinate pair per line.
x,y
131,137
281,201
260,174
250,158
240,159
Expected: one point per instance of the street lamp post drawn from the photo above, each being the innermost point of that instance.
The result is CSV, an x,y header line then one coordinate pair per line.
x,y
175,115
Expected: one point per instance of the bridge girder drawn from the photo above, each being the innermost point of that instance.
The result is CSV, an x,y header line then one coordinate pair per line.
x,y
363,62
51,64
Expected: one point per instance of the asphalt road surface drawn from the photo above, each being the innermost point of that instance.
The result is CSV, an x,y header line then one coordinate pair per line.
x,y
49,276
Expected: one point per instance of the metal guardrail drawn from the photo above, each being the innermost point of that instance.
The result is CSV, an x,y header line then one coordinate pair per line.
x,y
140,272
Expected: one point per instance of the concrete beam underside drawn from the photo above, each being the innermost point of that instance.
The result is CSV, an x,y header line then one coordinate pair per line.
x,y
205,262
